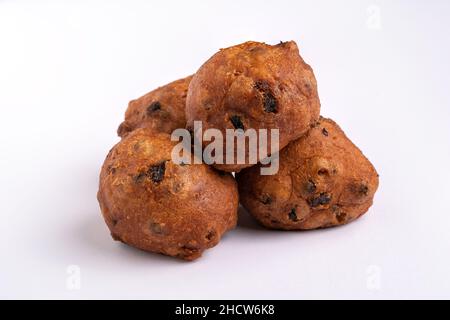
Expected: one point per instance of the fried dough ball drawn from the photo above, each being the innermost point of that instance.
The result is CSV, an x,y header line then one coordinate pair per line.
x,y
324,180
151,203
162,110
258,86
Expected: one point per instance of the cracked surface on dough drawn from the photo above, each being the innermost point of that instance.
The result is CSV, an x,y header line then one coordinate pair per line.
x,y
153,204
254,86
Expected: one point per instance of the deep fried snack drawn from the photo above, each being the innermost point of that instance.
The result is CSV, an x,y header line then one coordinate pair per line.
x,y
258,86
151,203
324,180
162,110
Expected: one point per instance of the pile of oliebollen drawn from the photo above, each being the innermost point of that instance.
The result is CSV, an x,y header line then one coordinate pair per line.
x,y
180,209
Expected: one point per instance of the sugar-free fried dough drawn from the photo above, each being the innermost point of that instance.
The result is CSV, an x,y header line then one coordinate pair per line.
x,y
254,86
162,110
151,203
324,180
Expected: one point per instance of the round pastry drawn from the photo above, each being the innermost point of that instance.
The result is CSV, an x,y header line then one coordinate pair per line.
x,y
162,110
254,86
323,180
151,203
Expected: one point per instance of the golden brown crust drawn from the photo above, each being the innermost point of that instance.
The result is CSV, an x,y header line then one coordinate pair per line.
x,y
153,204
324,180
162,110
255,85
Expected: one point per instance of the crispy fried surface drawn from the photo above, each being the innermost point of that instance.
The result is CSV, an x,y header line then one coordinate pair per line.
x,y
324,180
255,85
162,110
153,204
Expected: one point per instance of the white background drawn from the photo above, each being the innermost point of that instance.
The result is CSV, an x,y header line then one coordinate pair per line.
x,y
67,72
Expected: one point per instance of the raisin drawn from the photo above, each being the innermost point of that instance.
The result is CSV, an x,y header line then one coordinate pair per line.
x,y
156,173
140,177
270,103
360,190
293,215
208,104
237,123
154,106
114,222
322,172
310,186
124,128
266,199
322,199
325,132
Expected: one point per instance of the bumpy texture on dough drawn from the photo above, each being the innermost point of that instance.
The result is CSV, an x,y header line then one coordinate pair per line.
x,y
324,180
255,85
153,204
162,110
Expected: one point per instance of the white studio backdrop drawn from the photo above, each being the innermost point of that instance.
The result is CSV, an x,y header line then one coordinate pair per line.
x,y
68,70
